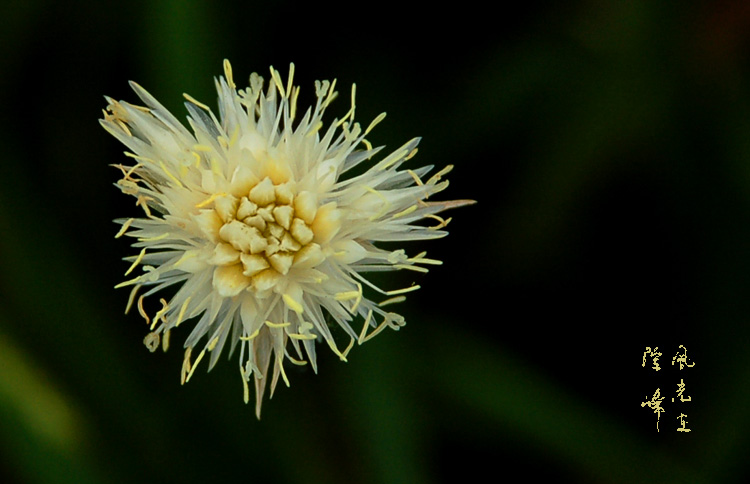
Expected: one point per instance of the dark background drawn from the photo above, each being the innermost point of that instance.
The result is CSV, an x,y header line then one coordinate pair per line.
x,y
607,144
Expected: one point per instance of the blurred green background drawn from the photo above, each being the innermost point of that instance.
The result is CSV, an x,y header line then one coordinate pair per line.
x,y
608,146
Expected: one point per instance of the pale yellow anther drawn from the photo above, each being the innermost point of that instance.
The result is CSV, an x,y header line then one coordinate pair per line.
x,y
131,298
281,261
302,337
392,300
292,304
402,291
229,280
421,259
301,232
192,100
136,261
160,313
195,365
181,314
374,123
212,344
154,238
185,365
142,202
245,387
253,264
209,200
251,336
142,311
408,267
151,341
346,296
306,206
228,74
129,282
170,175
124,228
404,212
263,193
277,81
283,215
438,176
246,208
165,340
277,325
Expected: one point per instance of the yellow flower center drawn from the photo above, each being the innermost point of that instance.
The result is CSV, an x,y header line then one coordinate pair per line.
x,y
262,236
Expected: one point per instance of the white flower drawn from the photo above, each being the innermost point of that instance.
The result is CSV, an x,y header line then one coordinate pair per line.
x,y
250,215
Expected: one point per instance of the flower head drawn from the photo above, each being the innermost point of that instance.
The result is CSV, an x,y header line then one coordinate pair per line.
x,y
256,217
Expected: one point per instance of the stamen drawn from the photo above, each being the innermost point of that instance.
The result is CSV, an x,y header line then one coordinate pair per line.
x,y
195,365
155,238
443,222
245,387
124,228
131,298
301,336
408,267
374,123
293,305
165,341
170,175
192,100
181,314
335,350
437,176
349,347
403,291
143,311
252,336
142,201
280,362
129,282
151,341
210,199
364,327
185,365
392,300
188,254
228,74
160,314
416,178
136,261
212,345
404,212
277,80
